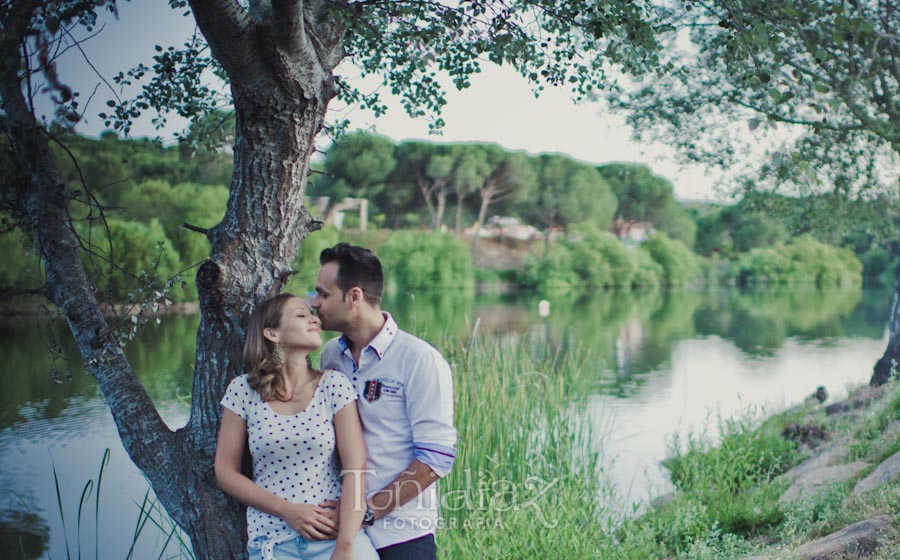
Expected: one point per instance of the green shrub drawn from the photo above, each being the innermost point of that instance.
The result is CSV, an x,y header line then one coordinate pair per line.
x,y
763,265
591,258
416,259
307,262
803,262
174,205
601,260
647,273
553,272
142,255
734,479
21,266
496,276
680,266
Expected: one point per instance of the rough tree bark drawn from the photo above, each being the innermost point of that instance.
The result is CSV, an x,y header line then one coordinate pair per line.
x,y
889,363
487,196
441,207
280,58
427,189
460,197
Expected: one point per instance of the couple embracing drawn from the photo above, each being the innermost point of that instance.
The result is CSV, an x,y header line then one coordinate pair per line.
x,y
344,459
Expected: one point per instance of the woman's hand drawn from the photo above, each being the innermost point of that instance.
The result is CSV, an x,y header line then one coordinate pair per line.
x,y
312,522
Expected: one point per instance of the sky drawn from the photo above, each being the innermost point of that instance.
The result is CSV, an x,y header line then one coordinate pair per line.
x,y
499,107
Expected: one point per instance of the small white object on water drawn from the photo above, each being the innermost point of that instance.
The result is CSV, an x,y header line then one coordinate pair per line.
x,y
544,309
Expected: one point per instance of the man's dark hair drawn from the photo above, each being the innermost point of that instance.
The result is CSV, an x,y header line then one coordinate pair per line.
x,y
357,266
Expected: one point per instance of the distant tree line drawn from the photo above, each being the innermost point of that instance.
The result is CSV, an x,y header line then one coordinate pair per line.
x,y
151,191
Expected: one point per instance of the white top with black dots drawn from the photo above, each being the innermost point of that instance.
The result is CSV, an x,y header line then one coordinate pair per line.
x,y
293,454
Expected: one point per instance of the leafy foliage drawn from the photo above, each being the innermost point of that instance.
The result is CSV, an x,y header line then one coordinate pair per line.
x,y
358,165
826,67
733,481
411,43
415,261
592,259
680,266
143,255
567,192
804,261
646,197
21,266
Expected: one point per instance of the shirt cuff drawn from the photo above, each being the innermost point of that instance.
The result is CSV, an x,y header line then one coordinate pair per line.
x,y
439,457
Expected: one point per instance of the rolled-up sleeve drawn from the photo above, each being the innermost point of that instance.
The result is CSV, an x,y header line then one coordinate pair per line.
x,y
429,405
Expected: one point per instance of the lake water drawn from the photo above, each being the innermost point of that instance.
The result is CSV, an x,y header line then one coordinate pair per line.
x,y
664,363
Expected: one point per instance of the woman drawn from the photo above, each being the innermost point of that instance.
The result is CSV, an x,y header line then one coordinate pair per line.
x,y
293,417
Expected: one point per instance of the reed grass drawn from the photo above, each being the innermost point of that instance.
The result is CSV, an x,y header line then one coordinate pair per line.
x,y
530,479
527,482
149,511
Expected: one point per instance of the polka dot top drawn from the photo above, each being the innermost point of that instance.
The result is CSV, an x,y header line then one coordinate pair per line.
x,y
293,454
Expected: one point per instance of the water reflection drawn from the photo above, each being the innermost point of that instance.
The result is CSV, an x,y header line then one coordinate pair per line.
x,y
23,534
658,359
759,322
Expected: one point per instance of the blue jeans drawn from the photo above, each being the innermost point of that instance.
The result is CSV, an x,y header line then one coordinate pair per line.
x,y
301,549
422,548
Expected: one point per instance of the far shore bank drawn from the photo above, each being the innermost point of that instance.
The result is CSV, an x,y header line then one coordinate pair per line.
x,y
29,310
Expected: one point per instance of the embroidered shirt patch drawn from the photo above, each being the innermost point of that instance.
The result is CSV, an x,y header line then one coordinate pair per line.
x,y
372,390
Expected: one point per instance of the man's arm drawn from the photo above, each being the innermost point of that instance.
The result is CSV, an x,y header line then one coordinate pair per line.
x,y
429,406
410,483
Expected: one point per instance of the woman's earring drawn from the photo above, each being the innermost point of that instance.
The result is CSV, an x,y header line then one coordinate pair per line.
x,y
277,357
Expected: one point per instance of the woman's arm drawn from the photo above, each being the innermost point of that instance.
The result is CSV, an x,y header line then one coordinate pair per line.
x,y
352,451
310,520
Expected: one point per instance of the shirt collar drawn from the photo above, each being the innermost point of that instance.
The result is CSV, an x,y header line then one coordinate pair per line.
x,y
382,340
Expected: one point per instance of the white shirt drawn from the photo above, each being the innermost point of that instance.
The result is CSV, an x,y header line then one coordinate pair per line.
x,y
405,402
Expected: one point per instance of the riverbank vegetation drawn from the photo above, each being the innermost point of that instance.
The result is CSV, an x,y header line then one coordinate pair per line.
x,y
615,226
531,479
729,476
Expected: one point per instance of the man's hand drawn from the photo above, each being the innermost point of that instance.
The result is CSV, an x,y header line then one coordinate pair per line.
x,y
410,483
313,523
333,510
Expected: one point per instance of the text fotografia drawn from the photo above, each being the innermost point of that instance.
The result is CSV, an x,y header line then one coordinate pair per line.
x,y
476,504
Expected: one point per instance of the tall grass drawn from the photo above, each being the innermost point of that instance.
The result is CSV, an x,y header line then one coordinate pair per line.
x,y
149,511
526,483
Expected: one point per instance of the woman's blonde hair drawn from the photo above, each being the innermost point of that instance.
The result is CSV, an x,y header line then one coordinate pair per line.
x,y
263,359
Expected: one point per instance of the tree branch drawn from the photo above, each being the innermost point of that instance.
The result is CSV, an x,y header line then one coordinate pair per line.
x,y
227,29
192,227
145,436
288,25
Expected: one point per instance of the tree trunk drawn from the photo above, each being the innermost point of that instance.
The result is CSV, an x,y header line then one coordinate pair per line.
x,y
482,216
251,255
441,206
459,209
889,363
252,252
426,190
280,65
179,477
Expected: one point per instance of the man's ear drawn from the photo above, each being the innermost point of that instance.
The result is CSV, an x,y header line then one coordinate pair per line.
x,y
356,295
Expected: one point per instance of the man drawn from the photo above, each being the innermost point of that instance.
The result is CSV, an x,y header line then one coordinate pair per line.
x,y
405,402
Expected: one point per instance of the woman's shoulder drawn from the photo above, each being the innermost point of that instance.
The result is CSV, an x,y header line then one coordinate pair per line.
x,y
337,382
241,385
239,381
332,377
